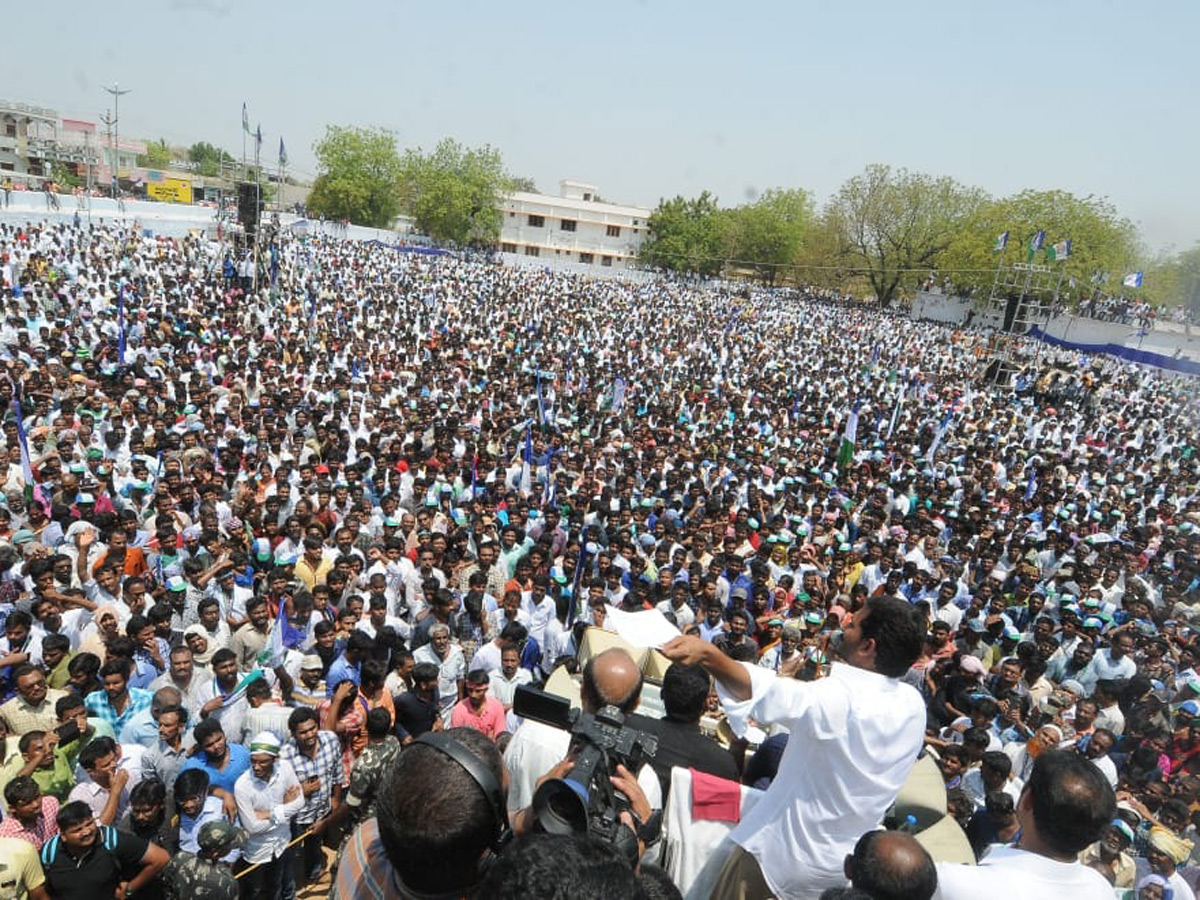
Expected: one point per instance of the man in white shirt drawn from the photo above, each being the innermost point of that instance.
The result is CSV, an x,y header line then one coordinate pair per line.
x,y
268,797
503,684
1065,806
863,724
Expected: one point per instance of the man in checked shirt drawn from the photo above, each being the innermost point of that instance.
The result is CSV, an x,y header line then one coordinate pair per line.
x,y
316,756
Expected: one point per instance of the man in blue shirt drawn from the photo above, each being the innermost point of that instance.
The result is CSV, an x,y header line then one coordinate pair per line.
x,y
221,761
349,664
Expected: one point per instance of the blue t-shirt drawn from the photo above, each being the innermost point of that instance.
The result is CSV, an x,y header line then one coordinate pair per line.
x,y
239,762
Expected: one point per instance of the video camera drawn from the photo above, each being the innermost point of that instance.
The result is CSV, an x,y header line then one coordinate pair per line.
x,y
585,802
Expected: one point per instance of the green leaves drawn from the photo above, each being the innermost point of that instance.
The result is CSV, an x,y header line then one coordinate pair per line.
x,y
207,158
1101,239
453,193
698,236
685,236
892,225
359,178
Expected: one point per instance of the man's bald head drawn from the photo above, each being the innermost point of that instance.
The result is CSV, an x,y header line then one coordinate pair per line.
x,y
611,678
891,865
166,696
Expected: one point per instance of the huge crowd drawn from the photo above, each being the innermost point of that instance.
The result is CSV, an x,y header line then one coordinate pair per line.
x,y
260,541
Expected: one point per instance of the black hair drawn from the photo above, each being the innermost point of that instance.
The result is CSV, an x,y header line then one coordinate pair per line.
x,y
191,783
898,629
205,729
176,708
258,689
96,748
148,792
221,656
22,789
65,702
58,642
997,761
685,692
1072,801
1000,803
976,736
435,822
360,642
28,738
71,814
424,672
116,667
560,867
300,715
84,663
379,722
892,866
372,674
656,884
985,706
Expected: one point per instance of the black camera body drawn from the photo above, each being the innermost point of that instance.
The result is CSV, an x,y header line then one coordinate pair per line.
x,y
585,801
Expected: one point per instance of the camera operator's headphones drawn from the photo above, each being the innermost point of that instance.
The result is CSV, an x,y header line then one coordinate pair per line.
x,y
482,776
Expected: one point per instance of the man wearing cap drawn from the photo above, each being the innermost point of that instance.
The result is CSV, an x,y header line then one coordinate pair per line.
x,y
268,797
203,874
309,689
1110,857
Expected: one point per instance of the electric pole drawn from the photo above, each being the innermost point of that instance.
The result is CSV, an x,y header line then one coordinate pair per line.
x,y
117,93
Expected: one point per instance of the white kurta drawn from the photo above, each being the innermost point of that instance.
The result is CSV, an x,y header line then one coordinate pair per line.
x,y
854,737
1010,874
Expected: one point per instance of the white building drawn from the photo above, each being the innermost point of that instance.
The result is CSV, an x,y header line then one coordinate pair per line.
x,y
576,227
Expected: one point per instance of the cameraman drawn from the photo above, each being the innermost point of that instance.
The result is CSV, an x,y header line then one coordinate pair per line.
x,y
610,678
854,738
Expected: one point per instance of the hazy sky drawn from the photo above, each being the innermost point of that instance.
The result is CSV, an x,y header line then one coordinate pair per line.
x,y
651,99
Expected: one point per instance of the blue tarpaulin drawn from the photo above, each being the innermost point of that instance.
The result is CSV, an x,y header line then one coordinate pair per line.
x,y
1129,354
424,251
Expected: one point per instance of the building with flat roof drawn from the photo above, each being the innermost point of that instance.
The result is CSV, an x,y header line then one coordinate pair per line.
x,y
576,226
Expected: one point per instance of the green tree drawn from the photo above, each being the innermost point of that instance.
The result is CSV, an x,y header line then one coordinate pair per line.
x,y
1101,240
522,183
157,155
207,158
453,193
64,175
359,176
892,225
767,235
685,235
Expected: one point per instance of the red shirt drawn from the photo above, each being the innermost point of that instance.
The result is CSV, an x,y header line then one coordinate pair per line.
x,y
490,719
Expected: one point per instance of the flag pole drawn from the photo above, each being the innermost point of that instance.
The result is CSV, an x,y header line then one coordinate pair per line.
x,y
257,200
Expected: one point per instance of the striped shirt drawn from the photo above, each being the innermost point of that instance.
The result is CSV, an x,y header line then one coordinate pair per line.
x,y
325,765
364,872
45,828
98,705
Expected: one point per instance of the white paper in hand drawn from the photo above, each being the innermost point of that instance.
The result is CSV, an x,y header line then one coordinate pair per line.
x,y
646,628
